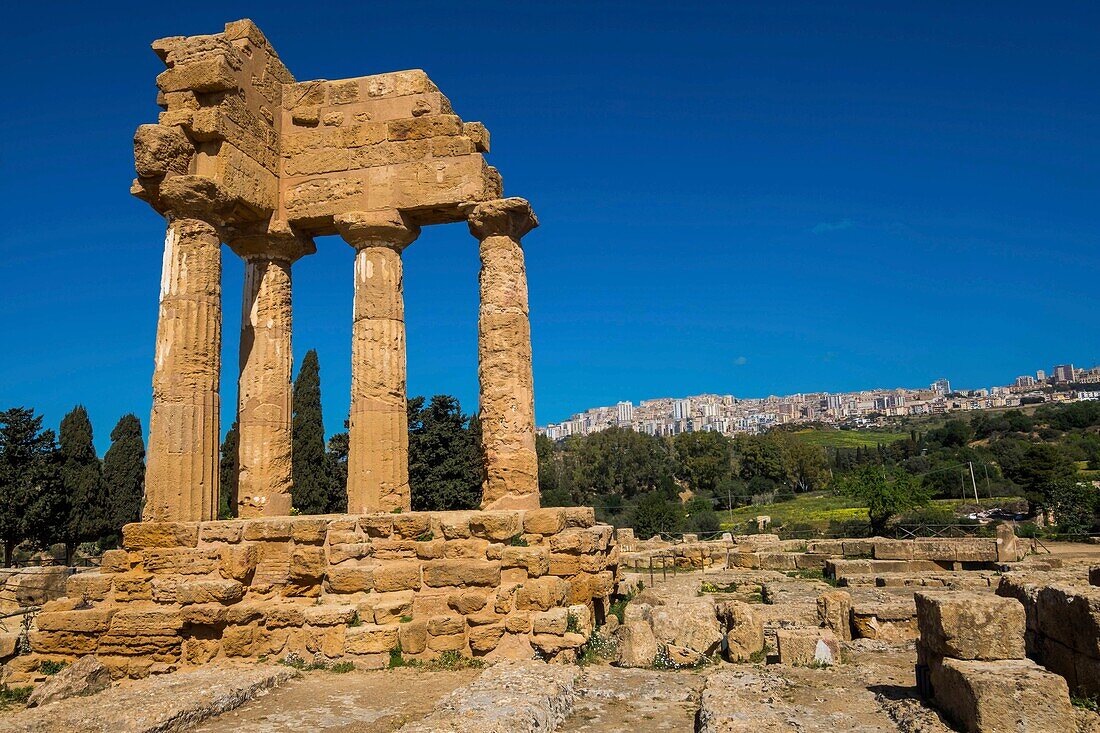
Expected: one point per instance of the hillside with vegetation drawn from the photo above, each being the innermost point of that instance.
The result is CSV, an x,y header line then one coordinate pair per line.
x,y
818,478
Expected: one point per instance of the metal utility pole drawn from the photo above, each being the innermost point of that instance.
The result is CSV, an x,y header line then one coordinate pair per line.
x,y
973,483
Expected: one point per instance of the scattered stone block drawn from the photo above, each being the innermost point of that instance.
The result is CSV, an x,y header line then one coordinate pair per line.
x,y
744,631
1002,696
834,610
807,647
637,645
84,677
966,625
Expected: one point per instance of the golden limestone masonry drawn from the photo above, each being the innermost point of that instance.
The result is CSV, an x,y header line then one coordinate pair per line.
x,y
510,584
245,155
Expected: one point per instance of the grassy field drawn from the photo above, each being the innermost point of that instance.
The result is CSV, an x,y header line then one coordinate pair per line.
x,y
848,438
820,510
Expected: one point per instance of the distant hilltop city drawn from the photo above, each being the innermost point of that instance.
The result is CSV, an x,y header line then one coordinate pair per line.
x,y
728,414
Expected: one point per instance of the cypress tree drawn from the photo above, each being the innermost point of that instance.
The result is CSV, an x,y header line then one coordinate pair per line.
x,y
444,456
31,496
336,460
82,477
310,489
124,472
228,473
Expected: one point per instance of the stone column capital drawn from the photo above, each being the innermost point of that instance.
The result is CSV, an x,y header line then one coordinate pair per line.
x,y
194,197
386,228
274,240
511,217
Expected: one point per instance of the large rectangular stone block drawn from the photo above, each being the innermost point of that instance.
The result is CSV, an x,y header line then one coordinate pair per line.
x,y
1071,616
1004,696
143,535
970,625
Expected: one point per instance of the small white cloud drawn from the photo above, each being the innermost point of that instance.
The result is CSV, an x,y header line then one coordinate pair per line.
x,y
832,226
741,361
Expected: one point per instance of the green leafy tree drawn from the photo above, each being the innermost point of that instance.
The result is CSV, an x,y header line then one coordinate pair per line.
x,y
887,492
336,462
444,456
655,514
124,472
1039,467
619,462
805,465
701,516
761,456
32,504
703,460
82,476
229,469
1074,504
310,489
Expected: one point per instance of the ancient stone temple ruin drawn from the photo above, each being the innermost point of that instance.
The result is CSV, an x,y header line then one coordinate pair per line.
x,y
245,155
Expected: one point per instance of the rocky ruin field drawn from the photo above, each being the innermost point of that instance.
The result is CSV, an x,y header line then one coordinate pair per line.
x,y
703,649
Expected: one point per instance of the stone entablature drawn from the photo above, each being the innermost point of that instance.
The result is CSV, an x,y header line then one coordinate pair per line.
x,y
482,583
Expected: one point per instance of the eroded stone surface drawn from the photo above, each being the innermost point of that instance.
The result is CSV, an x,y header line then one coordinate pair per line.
x,y
166,703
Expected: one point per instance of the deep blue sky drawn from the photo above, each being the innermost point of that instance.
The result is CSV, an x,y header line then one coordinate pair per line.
x,y
751,198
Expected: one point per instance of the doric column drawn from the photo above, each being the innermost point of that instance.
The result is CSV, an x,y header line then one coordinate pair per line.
x,y
181,472
504,356
378,433
266,364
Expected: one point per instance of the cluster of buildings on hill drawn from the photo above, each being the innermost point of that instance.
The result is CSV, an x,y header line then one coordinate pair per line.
x,y
728,414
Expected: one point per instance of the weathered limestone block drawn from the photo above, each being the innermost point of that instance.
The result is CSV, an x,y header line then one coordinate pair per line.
x,y
239,561
397,576
637,645
181,561
1002,696
1070,615
547,521
692,626
307,564
541,594
496,525
744,630
970,626
329,614
278,529
349,579
485,638
445,573
504,356
161,149
413,636
468,548
469,601
145,535
411,526
378,479
227,531
349,551
88,621
834,610
806,647
89,586
204,614
84,677
210,591
182,468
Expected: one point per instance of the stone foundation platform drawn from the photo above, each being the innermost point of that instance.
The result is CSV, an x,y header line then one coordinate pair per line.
x,y
512,584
